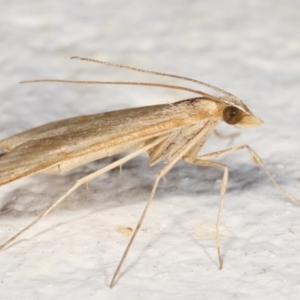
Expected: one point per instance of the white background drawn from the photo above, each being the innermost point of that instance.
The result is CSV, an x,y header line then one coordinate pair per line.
x,y
250,48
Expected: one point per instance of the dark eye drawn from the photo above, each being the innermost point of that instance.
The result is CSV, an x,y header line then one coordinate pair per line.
x,y
232,115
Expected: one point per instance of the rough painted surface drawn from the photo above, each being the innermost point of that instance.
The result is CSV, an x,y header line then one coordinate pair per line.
x,y
249,48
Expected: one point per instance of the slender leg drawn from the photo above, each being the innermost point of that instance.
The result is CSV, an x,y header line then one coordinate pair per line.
x,y
135,232
160,175
198,161
204,160
79,183
257,161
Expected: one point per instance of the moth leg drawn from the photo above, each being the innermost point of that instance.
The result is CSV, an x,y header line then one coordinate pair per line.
x,y
79,183
257,160
207,163
192,143
158,177
204,160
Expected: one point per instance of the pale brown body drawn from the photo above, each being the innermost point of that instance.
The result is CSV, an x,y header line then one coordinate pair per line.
x,y
168,132
63,145
76,141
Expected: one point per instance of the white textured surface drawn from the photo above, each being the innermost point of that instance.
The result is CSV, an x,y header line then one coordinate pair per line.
x,y
250,48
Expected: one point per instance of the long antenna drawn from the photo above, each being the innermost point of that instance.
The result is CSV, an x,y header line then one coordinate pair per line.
x,y
153,73
168,86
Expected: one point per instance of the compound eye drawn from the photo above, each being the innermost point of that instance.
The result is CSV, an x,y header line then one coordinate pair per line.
x,y
232,115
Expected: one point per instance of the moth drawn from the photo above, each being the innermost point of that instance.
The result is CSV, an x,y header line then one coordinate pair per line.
x,y
166,132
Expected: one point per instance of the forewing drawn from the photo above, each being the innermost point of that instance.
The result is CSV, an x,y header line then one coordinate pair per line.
x,y
40,148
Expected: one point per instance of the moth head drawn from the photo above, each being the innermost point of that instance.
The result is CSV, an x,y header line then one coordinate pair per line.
x,y
240,117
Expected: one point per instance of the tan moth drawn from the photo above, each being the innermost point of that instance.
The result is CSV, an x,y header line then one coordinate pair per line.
x,y
167,132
